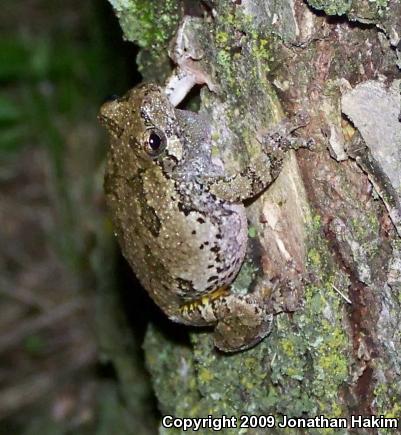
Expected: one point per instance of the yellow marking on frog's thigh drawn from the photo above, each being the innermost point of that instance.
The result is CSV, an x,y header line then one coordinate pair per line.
x,y
190,307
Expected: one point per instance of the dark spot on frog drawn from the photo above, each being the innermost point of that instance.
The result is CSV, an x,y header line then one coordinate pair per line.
x,y
231,273
151,221
200,220
148,214
186,287
213,278
193,232
183,209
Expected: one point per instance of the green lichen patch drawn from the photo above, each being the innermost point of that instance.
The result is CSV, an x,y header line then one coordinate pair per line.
x,y
245,277
372,10
315,354
242,51
173,373
362,10
241,54
332,7
151,25
310,356
387,399
233,384
148,23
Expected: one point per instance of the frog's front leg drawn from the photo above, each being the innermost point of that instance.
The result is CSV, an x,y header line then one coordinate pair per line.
x,y
261,172
279,140
241,320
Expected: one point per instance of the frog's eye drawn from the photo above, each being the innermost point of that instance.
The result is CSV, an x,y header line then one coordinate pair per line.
x,y
155,141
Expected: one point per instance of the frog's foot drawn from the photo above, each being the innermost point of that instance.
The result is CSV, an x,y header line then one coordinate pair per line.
x,y
243,321
282,137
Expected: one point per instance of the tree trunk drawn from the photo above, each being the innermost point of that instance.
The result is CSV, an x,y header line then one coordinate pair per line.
x,y
328,229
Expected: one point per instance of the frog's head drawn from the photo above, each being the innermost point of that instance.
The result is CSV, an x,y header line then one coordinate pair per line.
x,y
144,125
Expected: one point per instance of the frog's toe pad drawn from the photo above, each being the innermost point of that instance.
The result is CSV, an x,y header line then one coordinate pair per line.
x,y
236,333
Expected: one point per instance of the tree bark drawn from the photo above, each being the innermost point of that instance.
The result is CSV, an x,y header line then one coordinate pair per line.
x,y
328,230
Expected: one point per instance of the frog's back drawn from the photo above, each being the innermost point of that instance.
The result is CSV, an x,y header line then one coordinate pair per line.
x,y
179,254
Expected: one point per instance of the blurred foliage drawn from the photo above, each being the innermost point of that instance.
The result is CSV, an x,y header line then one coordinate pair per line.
x,y
47,76
55,76
58,62
58,75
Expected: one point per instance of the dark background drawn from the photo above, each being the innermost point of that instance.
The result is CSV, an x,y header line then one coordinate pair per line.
x,y
58,62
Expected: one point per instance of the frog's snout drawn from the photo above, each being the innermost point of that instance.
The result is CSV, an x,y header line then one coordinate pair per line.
x,y
109,116
108,111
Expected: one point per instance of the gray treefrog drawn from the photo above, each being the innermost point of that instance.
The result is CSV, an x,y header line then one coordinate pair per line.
x,y
179,219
